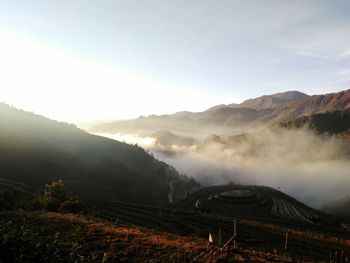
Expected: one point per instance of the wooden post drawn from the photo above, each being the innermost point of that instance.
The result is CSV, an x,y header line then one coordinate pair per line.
x,y
275,254
234,232
285,246
210,241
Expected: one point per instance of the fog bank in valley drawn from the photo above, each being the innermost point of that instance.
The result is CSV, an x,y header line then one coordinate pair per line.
x,y
312,168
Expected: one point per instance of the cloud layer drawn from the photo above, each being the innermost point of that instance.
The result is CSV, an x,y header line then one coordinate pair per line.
x,y
311,168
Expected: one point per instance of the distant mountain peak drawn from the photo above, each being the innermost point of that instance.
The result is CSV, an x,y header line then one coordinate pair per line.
x,y
273,100
290,95
265,101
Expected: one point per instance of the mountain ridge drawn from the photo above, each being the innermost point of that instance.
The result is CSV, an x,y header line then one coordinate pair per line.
x,y
261,112
266,101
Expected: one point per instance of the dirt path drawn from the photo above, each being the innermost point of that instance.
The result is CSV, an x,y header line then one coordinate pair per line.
x,y
171,192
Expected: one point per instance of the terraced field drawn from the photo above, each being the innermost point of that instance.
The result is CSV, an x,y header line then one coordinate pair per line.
x,y
266,235
15,195
263,215
10,186
287,210
255,202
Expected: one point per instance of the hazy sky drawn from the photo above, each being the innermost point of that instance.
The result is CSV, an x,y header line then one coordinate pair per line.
x,y
78,60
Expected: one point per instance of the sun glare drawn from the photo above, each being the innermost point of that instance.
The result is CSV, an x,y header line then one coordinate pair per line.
x,y
46,80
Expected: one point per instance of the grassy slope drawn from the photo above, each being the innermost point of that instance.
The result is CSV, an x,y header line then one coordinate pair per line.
x,y
55,237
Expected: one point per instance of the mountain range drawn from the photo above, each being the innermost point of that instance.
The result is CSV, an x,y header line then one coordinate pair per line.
x,y
233,118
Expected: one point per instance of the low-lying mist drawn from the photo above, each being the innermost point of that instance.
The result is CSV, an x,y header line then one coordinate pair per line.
x,y
315,169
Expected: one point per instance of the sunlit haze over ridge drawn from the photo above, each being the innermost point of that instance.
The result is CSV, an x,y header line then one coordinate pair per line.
x,y
86,60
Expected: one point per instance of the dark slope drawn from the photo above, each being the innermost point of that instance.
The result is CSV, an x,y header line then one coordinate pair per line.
x,y
328,122
339,208
35,150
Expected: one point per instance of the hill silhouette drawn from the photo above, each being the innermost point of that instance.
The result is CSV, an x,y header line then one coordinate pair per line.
x,y
35,150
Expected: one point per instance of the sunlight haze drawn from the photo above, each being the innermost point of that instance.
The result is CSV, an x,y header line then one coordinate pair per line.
x,y
69,88
120,60
174,131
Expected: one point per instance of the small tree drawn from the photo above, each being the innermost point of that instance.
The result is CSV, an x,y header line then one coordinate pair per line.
x,y
54,195
55,198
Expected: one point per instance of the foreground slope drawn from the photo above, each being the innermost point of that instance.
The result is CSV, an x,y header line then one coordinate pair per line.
x,y
117,231
55,237
124,232
35,150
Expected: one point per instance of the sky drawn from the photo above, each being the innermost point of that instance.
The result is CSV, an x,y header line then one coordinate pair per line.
x,y
82,60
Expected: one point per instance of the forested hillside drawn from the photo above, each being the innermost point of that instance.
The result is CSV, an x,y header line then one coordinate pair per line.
x,y
35,150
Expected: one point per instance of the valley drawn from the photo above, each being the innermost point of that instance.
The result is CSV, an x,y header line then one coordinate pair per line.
x,y
120,188
224,143
175,131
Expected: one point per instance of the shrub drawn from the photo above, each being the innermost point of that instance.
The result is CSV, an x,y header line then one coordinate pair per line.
x,y
55,198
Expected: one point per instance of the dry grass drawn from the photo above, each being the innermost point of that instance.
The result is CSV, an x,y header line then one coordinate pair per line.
x,y
57,237
127,243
